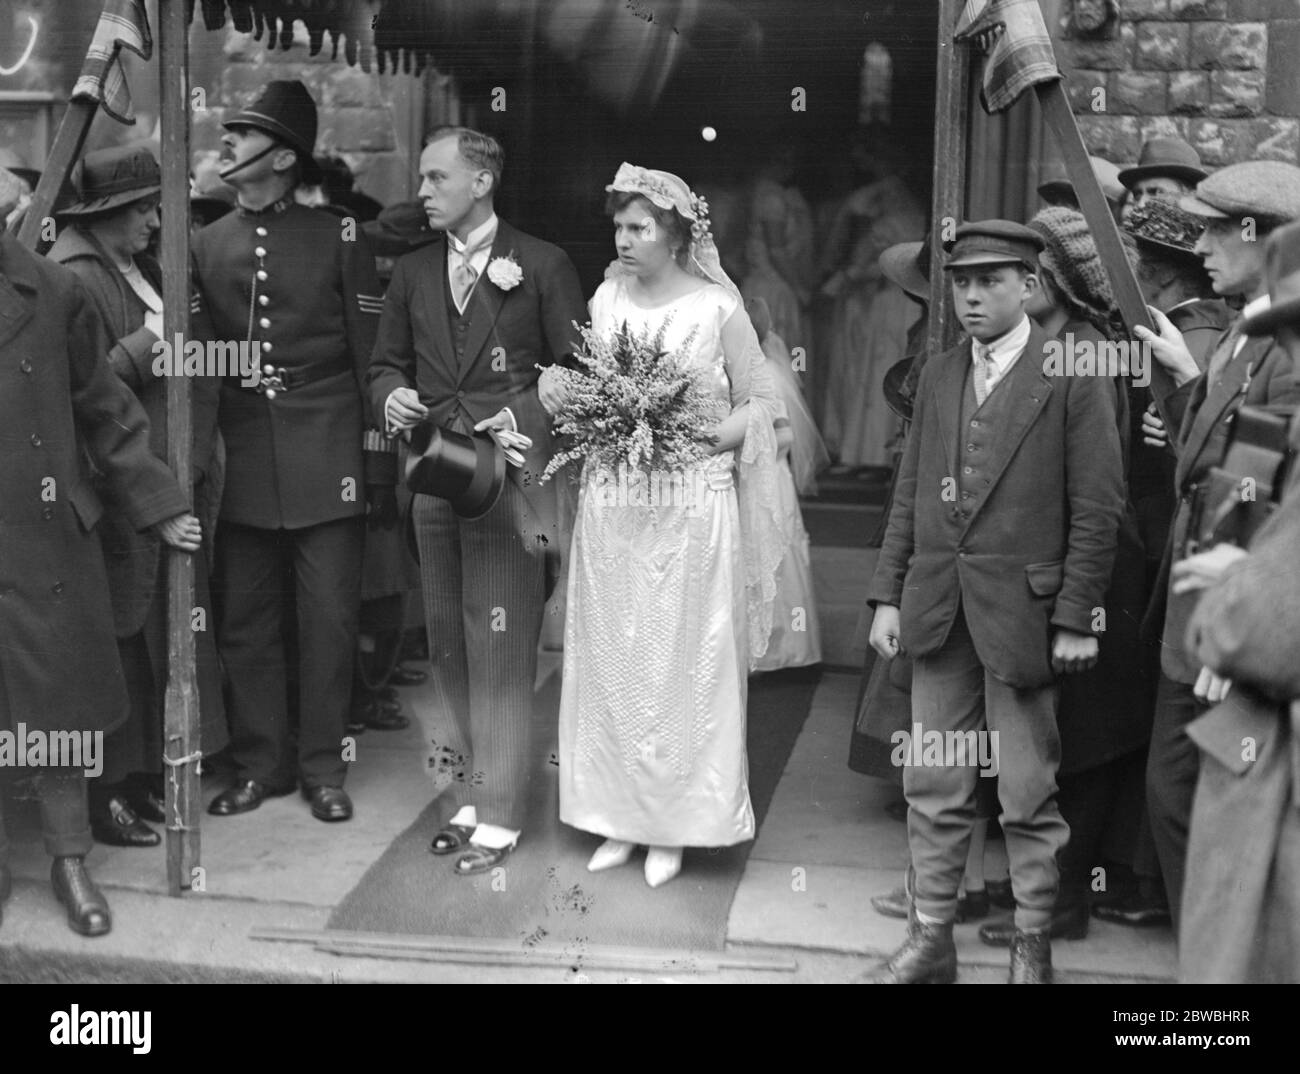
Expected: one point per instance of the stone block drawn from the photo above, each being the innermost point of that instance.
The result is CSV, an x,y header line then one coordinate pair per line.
x,y
1116,138
1274,138
1161,46
1235,46
1198,9
1081,89
1137,93
1105,55
1189,92
1220,141
1138,10
1236,93
1282,95
1258,10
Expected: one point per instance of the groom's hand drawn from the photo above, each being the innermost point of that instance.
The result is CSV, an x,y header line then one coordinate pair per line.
x,y
403,410
502,427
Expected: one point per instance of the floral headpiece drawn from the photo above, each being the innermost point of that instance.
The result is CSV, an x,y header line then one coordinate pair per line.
x,y
667,191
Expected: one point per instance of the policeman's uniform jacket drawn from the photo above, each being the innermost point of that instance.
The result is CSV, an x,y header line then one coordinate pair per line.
x,y
301,283
59,403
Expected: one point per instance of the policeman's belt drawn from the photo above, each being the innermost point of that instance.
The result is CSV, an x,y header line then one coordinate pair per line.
x,y
284,380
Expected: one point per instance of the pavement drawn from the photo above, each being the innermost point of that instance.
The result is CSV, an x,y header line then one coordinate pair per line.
x,y
801,913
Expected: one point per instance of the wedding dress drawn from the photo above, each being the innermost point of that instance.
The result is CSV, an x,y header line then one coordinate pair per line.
x,y
658,631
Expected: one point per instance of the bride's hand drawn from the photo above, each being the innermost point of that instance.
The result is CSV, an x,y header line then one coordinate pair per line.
x,y
551,389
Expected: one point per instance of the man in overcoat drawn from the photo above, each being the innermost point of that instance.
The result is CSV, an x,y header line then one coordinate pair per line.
x,y
995,564
1241,903
59,671
1240,204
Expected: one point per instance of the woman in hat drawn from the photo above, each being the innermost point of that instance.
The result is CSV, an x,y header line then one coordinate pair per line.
x,y
670,606
105,242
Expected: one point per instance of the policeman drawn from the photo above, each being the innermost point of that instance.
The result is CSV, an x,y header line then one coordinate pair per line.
x,y
296,287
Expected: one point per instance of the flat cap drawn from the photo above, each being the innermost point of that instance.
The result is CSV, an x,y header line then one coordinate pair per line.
x,y
1267,189
1282,270
993,242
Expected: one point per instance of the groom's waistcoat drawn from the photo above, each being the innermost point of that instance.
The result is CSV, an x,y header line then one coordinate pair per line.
x,y
460,328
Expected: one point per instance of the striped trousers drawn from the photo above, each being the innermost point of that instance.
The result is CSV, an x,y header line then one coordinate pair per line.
x,y
484,592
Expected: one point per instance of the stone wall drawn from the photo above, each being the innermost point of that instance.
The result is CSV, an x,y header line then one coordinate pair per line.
x,y
1222,74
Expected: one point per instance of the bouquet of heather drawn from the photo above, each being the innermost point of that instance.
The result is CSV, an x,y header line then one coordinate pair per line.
x,y
635,403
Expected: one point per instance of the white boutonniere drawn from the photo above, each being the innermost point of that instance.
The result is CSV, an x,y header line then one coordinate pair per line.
x,y
505,272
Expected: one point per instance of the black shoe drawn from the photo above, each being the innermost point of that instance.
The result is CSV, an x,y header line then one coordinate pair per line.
x,y
87,908
1031,958
450,839
1136,911
1068,923
148,801
114,822
404,676
928,956
329,803
477,859
244,797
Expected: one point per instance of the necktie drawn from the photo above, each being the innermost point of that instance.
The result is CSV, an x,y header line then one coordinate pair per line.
x,y
980,352
464,274
1223,354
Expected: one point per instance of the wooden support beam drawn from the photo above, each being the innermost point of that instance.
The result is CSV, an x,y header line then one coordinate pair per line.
x,y
65,152
951,132
181,745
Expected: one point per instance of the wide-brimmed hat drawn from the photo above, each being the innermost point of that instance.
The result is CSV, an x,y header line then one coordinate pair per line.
x,y
11,193
1165,156
1267,190
1282,270
901,264
287,112
110,178
467,471
1161,224
1056,181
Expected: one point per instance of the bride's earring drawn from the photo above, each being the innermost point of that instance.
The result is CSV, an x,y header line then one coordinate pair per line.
x,y
609,855
662,864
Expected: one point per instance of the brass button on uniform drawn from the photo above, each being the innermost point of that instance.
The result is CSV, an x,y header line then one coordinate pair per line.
x,y
36,440
261,275
262,300
57,588
261,232
25,366
265,322
259,251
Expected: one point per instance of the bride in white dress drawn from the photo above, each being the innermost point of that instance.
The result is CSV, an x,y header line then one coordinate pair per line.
x,y
670,605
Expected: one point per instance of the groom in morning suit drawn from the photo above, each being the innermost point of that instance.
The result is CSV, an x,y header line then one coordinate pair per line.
x,y
995,563
466,321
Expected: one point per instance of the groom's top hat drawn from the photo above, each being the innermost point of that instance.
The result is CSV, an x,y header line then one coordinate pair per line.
x,y
467,471
285,111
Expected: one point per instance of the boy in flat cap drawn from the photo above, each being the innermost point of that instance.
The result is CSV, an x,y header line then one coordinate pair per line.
x,y
1240,204
995,561
1241,905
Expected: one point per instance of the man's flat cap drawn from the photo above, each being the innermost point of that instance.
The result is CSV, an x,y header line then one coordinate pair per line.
x,y
1266,189
993,242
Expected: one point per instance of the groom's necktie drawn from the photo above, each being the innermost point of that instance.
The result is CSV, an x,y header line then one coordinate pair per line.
x,y
464,274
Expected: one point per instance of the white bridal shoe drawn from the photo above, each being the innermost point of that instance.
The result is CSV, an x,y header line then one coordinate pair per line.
x,y
662,864
609,855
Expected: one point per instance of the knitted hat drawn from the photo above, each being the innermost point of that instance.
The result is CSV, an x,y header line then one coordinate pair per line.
x,y
1070,255
11,190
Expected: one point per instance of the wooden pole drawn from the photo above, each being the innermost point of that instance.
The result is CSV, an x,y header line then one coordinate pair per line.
x,y
1105,232
65,152
951,131
181,717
